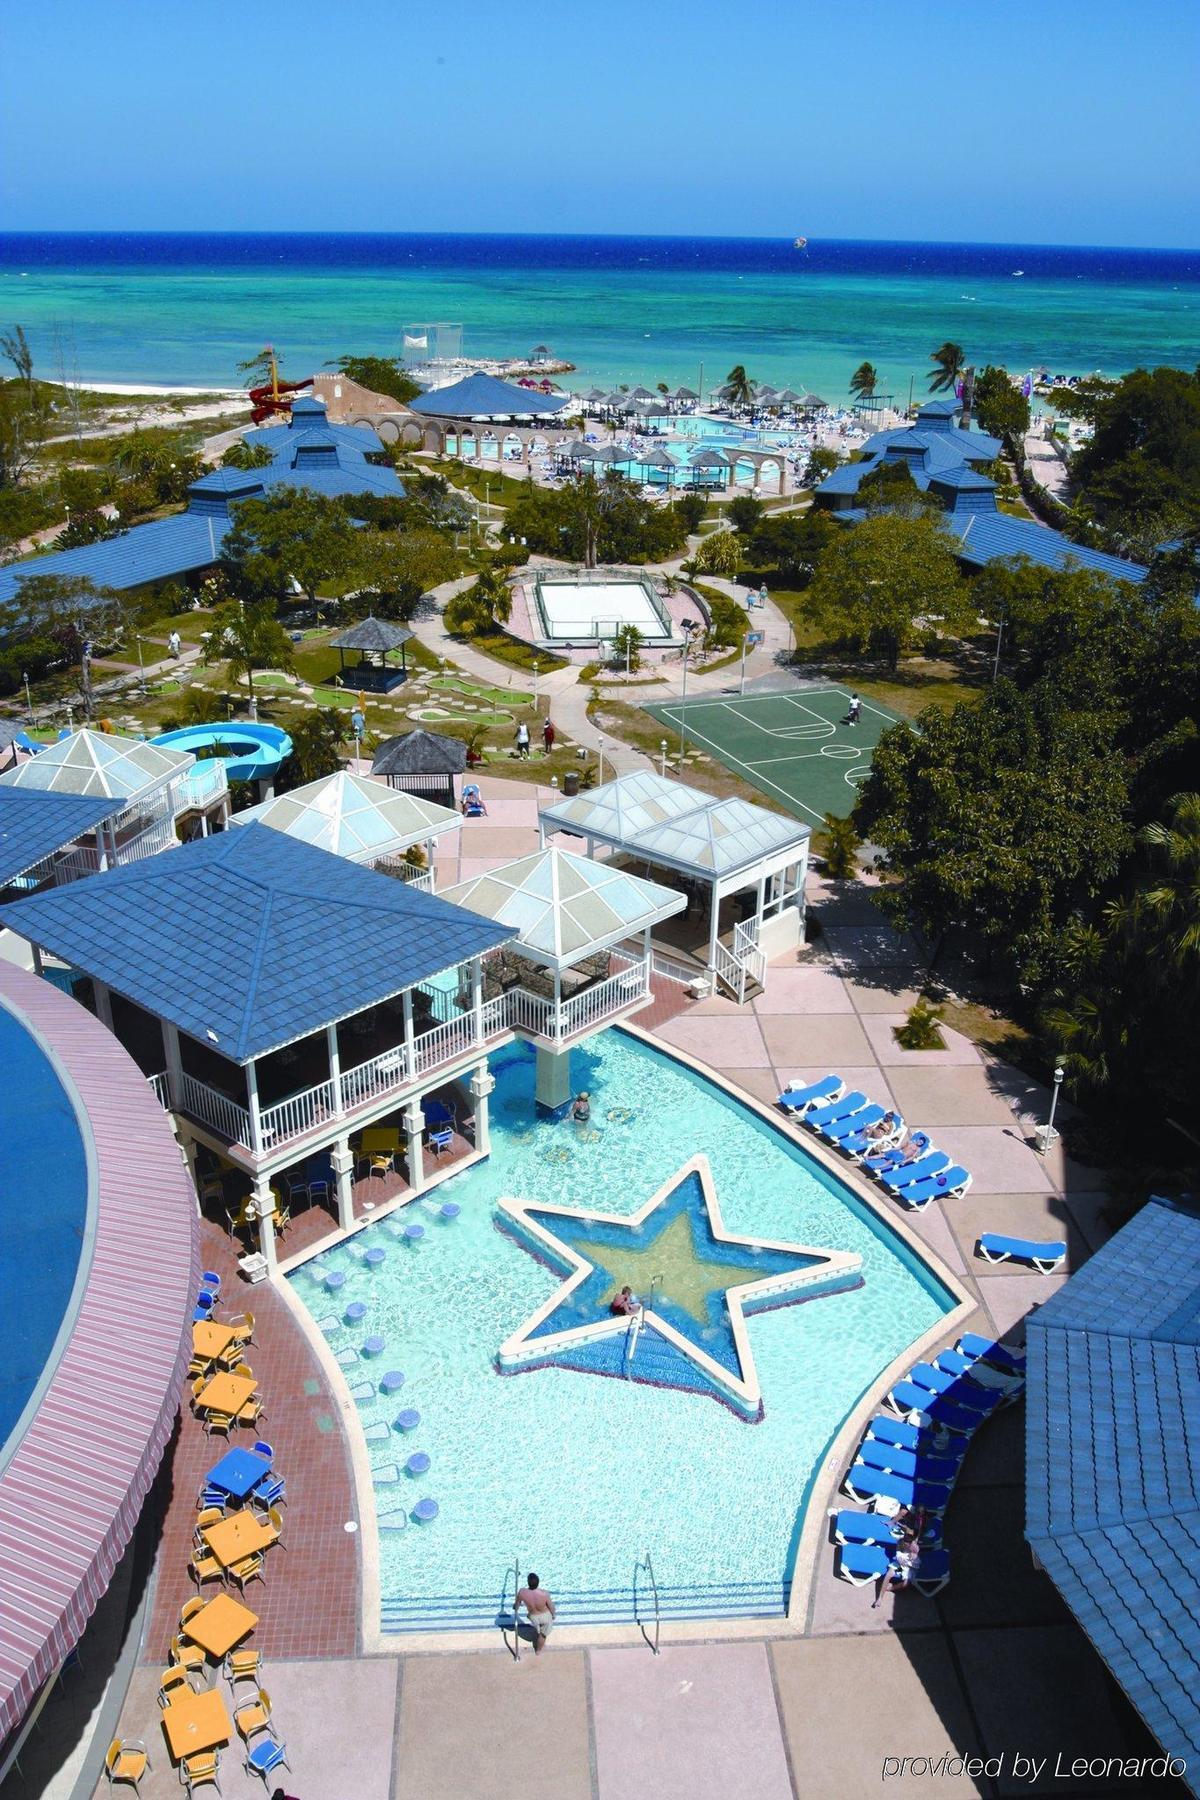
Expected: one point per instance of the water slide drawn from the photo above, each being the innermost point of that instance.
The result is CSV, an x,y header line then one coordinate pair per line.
x,y
251,752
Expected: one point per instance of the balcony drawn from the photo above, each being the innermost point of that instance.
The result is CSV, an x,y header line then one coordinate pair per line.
x,y
203,783
559,1024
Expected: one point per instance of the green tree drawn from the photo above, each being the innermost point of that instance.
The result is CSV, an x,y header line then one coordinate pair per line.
x,y
738,389
842,842
728,622
317,739
24,428
1142,462
720,553
14,345
864,381
950,360
382,375
890,487
792,544
690,510
880,583
241,455
591,520
247,639
73,611
483,606
392,569
745,513
290,535
1000,821
1001,408
822,460
627,648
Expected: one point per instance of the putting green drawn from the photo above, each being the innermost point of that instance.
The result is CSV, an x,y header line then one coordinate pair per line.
x,y
476,690
797,746
442,715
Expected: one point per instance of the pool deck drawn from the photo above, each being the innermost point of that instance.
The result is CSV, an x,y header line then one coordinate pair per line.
x,y
993,1666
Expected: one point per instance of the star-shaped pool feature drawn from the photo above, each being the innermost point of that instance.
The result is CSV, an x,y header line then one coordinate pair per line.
x,y
697,1281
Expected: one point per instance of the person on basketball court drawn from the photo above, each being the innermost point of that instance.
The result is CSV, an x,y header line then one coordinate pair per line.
x,y
854,710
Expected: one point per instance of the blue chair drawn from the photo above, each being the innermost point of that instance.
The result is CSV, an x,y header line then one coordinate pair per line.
x,y
861,1564
440,1140
985,1349
949,1183
853,1126
916,1465
887,1430
851,1527
894,1158
212,1496
817,1093
210,1279
836,1109
907,1397
994,1247
206,1300
271,1491
932,1571
909,1173
266,1755
261,1448
864,1483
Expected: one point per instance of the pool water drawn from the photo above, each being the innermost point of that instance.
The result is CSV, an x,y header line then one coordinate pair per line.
x,y
567,1471
43,1214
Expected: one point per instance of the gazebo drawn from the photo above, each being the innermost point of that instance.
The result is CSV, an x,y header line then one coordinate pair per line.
x,y
360,818
561,977
481,396
374,640
422,762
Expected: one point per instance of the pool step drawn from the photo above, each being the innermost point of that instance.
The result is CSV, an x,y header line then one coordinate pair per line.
x,y
468,1612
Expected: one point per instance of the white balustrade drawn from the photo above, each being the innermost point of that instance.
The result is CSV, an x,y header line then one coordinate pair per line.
x,y
453,1038
377,1076
226,1117
161,1090
298,1114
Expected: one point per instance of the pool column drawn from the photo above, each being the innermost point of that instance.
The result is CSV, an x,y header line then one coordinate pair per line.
x,y
483,1083
342,1158
553,1087
103,1002
414,1127
262,1201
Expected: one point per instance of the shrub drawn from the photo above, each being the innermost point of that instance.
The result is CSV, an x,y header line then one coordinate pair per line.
x,y
841,848
921,1030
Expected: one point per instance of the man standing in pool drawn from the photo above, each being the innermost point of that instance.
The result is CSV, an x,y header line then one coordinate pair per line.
x,y
539,1607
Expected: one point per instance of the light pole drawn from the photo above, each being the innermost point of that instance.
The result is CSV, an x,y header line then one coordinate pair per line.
x,y
600,772
999,641
689,626
1048,1132
662,750
745,646
28,698
536,707
141,663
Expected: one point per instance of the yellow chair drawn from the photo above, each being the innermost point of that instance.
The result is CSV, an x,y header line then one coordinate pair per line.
x,y
190,1608
210,1515
127,1759
172,1683
275,1521
204,1566
251,1411
253,1715
198,1388
231,1357
218,1421
198,1369
243,1327
282,1220
249,1569
243,1665
186,1655
200,1768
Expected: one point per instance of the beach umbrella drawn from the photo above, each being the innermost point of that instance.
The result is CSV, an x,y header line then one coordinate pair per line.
x,y
658,458
684,393
790,397
710,458
641,393
814,403
595,394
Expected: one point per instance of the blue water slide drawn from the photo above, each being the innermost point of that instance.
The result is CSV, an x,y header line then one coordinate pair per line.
x,y
250,752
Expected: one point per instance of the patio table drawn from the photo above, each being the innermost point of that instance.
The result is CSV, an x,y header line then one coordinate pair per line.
x,y
220,1625
238,1473
226,1393
196,1722
212,1340
232,1539
378,1140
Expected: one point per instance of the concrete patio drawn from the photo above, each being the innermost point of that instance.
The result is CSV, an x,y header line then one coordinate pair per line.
x,y
993,1667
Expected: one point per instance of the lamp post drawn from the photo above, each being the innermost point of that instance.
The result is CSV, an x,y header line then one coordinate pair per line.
x,y
600,772
689,626
28,697
1048,1132
999,641
536,707
662,751
141,663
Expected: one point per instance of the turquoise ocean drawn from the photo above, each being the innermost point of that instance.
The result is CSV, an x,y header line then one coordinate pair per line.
x,y
183,309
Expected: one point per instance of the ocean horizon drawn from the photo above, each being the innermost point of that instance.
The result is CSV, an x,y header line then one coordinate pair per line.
x,y
183,308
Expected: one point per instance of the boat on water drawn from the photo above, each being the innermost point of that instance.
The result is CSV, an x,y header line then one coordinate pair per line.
x,y
799,243
1018,272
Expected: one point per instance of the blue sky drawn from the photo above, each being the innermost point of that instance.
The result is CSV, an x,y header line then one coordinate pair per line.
x,y
1066,121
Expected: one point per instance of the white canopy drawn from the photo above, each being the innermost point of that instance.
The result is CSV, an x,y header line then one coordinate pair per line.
x,y
100,762
679,826
353,816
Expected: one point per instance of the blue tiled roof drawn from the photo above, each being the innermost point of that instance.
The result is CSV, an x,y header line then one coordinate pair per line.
x,y
33,825
484,396
988,536
153,552
252,935
1113,1462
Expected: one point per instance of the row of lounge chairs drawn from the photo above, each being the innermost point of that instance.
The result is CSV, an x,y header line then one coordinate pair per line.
x,y
905,1163
908,1461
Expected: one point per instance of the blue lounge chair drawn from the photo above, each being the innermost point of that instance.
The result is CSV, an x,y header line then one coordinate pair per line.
x,y
817,1093
861,1564
974,1370
853,1125
851,1527
864,1483
900,1435
907,1397
836,1109
932,1571
985,1349
902,1155
949,1184
1045,1257
908,1174
862,1145
896,1457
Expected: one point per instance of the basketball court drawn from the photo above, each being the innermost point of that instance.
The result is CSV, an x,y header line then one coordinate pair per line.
x,y
796,747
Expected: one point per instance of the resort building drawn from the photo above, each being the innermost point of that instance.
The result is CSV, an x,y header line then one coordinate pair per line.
x,y
363,819
42,834
741,869
949,463
158,795
307,452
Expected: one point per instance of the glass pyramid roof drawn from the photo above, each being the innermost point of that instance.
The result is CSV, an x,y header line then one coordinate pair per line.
x,y
352,816
100,763
681,825
562,906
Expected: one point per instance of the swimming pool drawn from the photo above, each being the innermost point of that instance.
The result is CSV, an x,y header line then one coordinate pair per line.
x,y
43,1217
563,1469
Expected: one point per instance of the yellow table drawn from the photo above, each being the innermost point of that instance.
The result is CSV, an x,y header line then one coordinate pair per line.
x,y
238,1536
196,1722
212,1340
220,1625
377,1140
225,1393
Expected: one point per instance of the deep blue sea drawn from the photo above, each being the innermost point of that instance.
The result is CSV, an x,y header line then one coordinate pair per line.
x,y
185,309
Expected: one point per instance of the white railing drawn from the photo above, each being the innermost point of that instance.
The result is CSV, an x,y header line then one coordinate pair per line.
x,y
607,997
453,1038
378,1076
161,1090
75,863
747,952
297,1114
728,969
225,1116
411,874
495,1015
158,835
443,1004
670,968
203,783
530,1012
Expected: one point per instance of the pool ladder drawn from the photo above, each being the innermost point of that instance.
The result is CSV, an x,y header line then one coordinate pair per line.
x,y
646,1565
635,1323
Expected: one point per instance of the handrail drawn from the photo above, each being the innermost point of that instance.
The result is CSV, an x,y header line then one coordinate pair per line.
x,y
212,1108
515,1572
646,1564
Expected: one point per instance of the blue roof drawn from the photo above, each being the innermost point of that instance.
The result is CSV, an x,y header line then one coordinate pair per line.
x,y
1113,1462
989,536
946,406
253,936
483,396
153,552
34,824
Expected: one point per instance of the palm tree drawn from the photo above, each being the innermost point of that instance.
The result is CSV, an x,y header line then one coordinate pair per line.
x,y
739,389
1172,903
951,360
864,381
246,638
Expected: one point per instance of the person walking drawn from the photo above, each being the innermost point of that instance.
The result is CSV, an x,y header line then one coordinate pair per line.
x,y
522,739
540,1609
854,712
548,736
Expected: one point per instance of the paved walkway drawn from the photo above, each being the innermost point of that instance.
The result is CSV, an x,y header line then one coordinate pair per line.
x,y
994,1666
